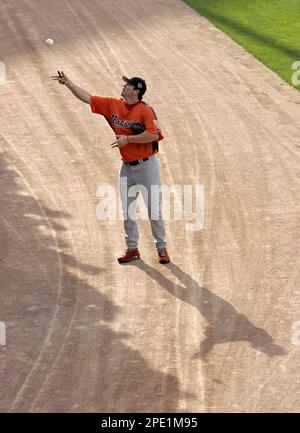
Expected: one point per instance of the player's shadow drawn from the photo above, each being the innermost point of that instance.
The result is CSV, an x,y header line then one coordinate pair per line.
x,y
225,323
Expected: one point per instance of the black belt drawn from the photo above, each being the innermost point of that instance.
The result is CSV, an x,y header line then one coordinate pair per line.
x,y
137,161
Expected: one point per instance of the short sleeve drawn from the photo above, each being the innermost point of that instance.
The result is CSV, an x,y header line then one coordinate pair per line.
x,y
100,105
151,123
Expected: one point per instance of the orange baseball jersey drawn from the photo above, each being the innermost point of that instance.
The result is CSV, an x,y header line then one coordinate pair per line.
x,y
121,117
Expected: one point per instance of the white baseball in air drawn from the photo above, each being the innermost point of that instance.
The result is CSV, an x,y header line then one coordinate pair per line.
x,y
49,41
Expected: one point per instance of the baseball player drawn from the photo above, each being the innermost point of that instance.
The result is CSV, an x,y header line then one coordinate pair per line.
x,y
137,132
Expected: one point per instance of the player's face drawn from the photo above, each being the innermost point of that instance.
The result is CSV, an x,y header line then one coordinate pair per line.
x,y
129,91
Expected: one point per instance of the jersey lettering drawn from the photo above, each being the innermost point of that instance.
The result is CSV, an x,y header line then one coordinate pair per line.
x,y
122,117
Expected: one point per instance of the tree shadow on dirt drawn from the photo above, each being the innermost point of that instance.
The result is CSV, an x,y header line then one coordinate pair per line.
x,y
225,323
61,354
65,22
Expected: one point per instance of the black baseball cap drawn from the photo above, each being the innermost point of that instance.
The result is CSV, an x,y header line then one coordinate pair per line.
x,y
138,83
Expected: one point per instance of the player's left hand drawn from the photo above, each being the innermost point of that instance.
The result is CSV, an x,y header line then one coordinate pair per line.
x,y
121,141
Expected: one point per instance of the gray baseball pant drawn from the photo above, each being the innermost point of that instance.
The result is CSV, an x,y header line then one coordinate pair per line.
x,y
144,178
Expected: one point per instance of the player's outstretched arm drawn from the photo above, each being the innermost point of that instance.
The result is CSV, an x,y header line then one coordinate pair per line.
x,y
76,90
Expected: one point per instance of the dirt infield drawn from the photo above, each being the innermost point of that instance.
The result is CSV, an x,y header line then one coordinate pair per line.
x,y
212,331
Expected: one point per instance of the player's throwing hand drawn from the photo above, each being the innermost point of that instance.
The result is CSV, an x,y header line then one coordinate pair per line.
x,y
61,77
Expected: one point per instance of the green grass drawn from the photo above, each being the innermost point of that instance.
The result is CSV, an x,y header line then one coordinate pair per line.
x,y
268,29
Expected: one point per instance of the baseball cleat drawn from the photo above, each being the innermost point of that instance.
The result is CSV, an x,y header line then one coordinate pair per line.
x,y
130,255
163,256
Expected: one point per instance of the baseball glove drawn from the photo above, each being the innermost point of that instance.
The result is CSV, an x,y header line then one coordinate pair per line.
x,y
137,128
